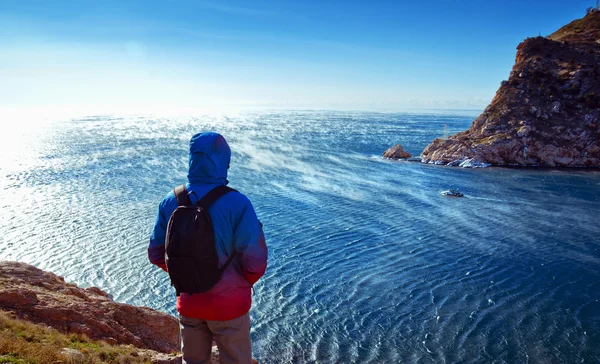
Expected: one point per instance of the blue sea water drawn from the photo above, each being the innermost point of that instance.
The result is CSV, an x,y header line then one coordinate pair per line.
x,y
368,262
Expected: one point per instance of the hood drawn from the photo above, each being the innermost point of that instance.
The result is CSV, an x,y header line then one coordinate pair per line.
x,y
209,159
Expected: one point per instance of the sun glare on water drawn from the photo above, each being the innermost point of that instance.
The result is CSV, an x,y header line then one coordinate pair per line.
x,y
21,132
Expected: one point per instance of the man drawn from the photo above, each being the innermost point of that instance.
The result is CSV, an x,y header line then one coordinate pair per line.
x,y
221,313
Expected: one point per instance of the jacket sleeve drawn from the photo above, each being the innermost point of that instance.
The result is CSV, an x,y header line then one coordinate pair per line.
x,y
156,249
250,242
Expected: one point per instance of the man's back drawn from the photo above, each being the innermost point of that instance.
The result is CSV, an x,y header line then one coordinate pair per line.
x,y
236,228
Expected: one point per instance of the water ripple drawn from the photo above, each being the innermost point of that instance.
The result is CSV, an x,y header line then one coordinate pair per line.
x,y
368,261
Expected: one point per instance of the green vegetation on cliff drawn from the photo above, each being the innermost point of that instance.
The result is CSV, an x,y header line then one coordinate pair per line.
x,y
25,342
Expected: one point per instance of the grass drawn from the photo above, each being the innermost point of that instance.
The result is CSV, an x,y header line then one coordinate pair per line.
x,y
492,138
25,343
589,25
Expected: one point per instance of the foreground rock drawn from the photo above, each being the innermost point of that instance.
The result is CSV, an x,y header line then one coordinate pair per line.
x,y
45,298
396,152
546,114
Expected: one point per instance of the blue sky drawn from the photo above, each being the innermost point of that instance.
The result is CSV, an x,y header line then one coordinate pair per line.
x,y
381,55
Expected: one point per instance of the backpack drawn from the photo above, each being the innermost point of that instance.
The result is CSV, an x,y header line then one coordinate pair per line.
x,y
190,253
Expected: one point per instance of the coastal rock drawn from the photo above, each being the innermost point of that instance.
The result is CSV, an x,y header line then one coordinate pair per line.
x,y
73,355
162,358
396,152
546,114
45,298
472,163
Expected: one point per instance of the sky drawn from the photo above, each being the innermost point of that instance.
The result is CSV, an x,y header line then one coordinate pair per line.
x,y
343,55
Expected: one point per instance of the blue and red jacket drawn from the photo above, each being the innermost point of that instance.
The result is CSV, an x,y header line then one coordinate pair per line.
x,y
236,228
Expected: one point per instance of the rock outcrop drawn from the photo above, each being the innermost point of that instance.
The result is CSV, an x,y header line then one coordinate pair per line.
x,y
45,298
396,152
546,114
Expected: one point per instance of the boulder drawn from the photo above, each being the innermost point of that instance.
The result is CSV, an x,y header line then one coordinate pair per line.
x,y
396,152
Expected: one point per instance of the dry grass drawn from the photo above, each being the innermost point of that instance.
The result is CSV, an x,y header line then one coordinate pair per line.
x,y
587,26
493,138
24,342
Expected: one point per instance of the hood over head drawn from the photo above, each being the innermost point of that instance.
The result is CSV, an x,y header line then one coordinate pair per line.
x,y
209,159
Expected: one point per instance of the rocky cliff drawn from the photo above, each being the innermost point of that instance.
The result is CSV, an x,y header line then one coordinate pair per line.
x,y
546,114
45,298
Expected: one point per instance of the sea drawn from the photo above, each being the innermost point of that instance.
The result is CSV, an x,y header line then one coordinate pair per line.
x,y
368,261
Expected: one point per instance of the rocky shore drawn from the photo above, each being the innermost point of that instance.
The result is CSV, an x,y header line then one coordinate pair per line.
x,y
44,298
41,297
546,114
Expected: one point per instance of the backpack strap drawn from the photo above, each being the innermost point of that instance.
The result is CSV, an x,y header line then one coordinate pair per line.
x,y
208,199
213,195
182,196
228,261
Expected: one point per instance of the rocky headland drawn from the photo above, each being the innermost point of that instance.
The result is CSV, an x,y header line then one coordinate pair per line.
x,y
546,114
44,298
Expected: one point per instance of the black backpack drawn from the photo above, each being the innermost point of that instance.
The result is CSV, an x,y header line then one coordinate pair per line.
x,y
190,251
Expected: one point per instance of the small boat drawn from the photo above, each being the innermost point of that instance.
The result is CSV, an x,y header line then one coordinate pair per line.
x,y
452,193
